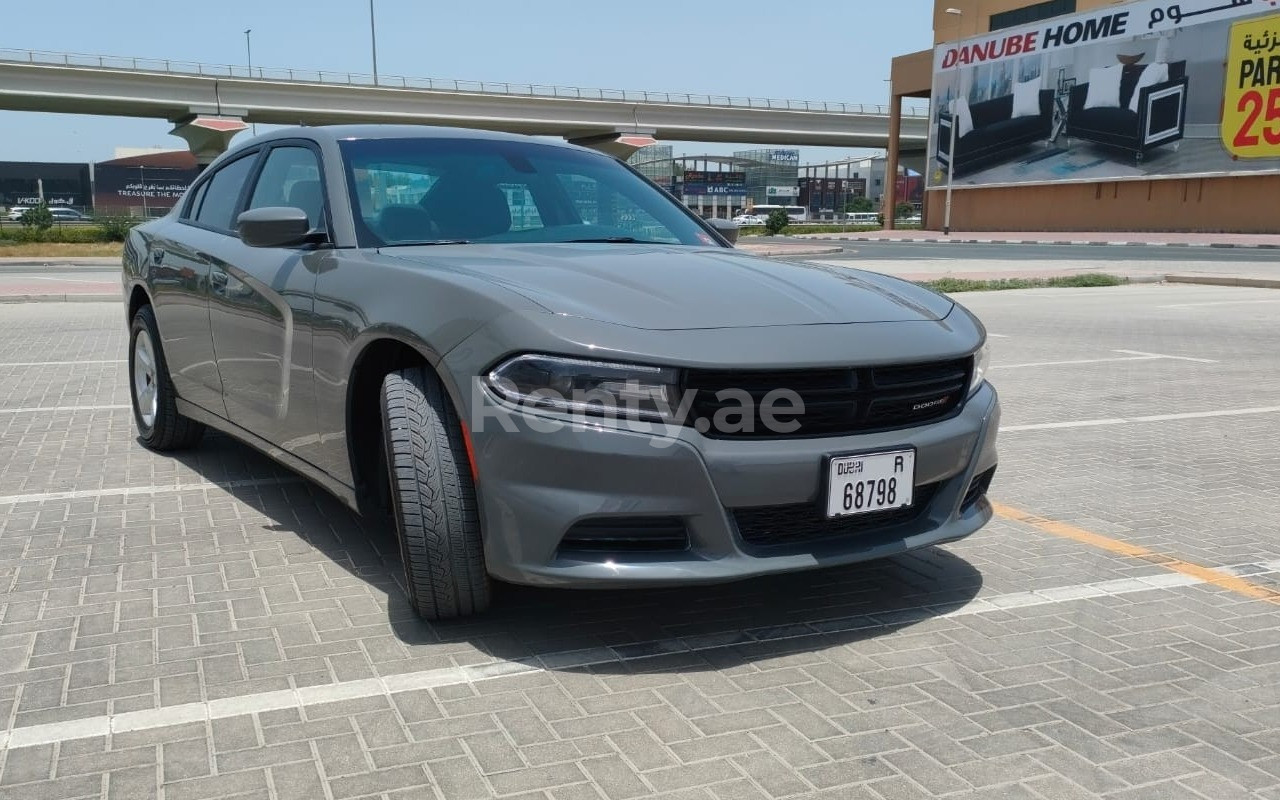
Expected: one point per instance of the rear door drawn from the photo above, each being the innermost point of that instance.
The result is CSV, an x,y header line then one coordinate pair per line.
x,y
261,306
181,268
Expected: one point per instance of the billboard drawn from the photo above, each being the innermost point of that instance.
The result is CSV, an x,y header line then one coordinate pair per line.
x,y
830,193
1132,91
698,182
118,188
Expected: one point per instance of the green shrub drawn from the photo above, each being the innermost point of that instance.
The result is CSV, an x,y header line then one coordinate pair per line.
x,y
69,234
860,205
37,217
776,222
114,229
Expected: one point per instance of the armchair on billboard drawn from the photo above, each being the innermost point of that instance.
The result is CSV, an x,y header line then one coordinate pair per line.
x,y
1137,90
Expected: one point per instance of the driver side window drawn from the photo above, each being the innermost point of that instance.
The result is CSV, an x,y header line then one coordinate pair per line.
x,y
291,177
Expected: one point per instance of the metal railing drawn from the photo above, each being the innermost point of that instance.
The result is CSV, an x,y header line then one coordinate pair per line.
x,y
171,67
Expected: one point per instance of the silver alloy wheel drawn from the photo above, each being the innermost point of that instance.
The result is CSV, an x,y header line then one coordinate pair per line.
x,y
145,388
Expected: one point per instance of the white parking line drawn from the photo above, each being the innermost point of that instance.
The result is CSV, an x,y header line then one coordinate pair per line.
x,y
1090,423
1220,303
59,363
51,409
1130,355
1075,361
1163,355
48,733
126,491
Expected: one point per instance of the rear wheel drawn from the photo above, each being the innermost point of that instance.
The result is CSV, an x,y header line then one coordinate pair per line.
x,y
432,497
160,426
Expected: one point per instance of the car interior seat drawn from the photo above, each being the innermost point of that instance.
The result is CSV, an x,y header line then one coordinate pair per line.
x,y
308,196
464,207
406,223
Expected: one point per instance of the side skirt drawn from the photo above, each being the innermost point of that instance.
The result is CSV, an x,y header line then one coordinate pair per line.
x,y
341,491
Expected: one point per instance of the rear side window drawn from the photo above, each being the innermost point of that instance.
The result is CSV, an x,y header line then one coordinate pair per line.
x,y
194,207
218,207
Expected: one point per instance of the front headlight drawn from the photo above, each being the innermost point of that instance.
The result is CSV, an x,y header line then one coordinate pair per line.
x,y
981,363
578,386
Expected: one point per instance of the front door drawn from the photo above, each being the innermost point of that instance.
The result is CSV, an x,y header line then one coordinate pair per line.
x,y
261,308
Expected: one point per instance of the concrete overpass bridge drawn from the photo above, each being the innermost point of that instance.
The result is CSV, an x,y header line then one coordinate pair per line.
x,y
210,103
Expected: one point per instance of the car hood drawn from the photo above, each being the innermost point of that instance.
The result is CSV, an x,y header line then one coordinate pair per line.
x,y
660,287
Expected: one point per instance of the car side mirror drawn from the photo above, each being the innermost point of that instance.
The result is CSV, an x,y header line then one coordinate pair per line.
x,y
726,228
274,226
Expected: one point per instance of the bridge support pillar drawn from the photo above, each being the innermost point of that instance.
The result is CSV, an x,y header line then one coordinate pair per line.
x,y
208,136
620,144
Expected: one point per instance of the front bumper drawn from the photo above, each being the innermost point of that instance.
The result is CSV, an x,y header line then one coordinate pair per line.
x,y
535,483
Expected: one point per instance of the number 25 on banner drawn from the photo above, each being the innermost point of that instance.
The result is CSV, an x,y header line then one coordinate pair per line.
x,y
1251,102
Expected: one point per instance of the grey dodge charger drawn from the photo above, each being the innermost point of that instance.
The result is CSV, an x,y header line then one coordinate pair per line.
x,y
547,370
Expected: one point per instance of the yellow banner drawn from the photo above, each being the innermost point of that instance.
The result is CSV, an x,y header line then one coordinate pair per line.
x,y
1251,101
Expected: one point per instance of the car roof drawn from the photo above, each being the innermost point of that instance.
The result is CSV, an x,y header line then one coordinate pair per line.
x,y
335,133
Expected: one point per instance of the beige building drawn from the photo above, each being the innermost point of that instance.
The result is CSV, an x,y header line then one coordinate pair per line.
x,y
1117,120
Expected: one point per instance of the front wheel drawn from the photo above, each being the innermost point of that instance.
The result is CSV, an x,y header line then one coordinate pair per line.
x,y
433,497
160,426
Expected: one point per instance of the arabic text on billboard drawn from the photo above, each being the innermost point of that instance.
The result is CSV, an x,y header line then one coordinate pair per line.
x,y
1134,91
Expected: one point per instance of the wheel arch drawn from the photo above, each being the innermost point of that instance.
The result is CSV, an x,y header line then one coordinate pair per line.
x,y
383,352
138,298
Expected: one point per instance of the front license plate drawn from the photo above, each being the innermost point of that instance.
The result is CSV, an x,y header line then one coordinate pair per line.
x,y
870,482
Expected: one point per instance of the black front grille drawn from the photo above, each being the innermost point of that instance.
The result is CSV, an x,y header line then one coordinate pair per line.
x,y
835,402
768,526
626,535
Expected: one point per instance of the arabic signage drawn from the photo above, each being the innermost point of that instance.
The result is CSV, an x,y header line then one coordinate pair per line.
x,y
1251,107
130,187
700,182
1132,91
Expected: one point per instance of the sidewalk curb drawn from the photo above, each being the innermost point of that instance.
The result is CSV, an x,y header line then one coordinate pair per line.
x,y
793,251
1225,280
60,261
61,298
1075,242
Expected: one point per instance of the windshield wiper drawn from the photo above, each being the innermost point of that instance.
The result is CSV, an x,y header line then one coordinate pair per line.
x,y
428,242
611,240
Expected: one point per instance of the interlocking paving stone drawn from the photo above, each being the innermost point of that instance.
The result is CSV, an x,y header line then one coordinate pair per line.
x,y
1011,664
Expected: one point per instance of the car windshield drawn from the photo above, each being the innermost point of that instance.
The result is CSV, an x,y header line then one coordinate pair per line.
x,y
436,190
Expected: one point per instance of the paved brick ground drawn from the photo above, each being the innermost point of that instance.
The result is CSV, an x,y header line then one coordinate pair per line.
x,y
209,626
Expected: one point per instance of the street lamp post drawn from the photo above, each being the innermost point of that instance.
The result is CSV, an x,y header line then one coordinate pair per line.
x,y
951,148
373,41
248,51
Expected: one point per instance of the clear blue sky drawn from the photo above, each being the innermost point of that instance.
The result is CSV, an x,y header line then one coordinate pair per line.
x,y
811,50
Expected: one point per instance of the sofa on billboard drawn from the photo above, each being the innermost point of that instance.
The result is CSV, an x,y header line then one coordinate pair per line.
x,y
993,130
1130,106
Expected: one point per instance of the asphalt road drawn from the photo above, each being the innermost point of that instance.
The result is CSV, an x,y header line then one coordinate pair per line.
x,y
205,624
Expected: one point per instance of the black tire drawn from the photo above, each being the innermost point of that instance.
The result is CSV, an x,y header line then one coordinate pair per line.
x,y
160,426
433,498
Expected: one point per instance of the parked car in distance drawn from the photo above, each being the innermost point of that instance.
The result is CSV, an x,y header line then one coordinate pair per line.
x,y
748,219
541,368
63,214
59,214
